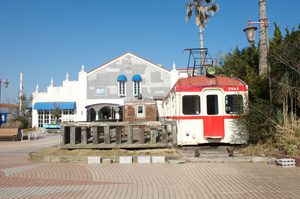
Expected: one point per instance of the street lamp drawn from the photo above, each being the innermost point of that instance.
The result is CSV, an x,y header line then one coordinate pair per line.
x,y
250,34
5,85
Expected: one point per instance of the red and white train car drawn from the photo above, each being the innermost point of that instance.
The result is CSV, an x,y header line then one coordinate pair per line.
x,y
205,109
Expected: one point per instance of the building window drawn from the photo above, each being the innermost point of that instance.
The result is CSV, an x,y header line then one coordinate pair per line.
x,y
137,79
191,105
40,118
136,88
71,111
122,88
65,115
46,117
140,111
122,79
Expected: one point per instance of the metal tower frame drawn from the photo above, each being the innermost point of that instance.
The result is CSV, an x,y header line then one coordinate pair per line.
x,y
199,65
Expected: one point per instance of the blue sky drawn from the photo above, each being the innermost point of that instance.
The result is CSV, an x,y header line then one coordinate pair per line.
x,y
45,39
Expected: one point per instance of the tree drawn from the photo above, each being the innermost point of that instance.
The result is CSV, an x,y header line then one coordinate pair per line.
x,y
55,113
26,103
285,55
243,64
281,130
203,12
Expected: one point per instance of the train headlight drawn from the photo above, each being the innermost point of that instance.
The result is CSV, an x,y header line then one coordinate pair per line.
x,y
210,71
187,133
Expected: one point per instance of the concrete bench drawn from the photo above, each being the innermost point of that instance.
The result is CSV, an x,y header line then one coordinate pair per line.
x,y
30,133
10,134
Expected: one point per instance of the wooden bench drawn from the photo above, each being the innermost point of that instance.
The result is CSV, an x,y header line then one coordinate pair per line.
x,y
30,133
10,134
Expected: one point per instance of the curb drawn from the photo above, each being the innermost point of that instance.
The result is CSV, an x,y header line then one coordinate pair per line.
x,y
84,159
145,159
228,159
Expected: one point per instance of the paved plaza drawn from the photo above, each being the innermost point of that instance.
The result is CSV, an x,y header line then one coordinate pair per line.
x,y
20,178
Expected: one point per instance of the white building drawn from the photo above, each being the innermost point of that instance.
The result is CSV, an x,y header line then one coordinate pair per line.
x,y
9,111
101,92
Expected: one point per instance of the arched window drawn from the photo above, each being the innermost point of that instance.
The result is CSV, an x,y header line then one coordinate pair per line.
x,y
122,79
137,80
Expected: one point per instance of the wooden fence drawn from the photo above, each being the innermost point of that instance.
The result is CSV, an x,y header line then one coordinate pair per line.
x,y
126,135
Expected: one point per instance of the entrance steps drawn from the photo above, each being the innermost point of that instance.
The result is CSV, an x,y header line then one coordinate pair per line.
x,y
209,151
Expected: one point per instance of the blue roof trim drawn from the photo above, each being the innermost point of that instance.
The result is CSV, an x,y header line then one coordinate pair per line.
x,y
122,78
136,78
53,105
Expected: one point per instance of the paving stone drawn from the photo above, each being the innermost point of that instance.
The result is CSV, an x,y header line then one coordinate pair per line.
x,y
20,178
144,159
260,159
158,159
94,159
179,161
272,161
125,159
107,161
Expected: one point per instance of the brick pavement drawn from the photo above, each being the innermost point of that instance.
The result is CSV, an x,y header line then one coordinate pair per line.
x,y
20,178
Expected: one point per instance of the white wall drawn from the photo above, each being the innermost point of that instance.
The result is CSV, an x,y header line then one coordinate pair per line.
x,y
71,91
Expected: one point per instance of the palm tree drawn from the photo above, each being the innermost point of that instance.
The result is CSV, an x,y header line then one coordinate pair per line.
x,y
203,12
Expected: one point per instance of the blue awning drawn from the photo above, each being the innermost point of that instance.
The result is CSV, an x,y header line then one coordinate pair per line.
x,y
136,78
53,105
122,78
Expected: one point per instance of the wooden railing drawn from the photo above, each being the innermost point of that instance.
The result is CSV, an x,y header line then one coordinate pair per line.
x,y
104,135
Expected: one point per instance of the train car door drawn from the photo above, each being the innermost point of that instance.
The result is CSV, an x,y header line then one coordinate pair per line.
x,y
213,121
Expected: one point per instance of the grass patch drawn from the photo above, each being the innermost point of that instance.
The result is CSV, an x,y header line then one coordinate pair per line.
x,y
258,150
55,151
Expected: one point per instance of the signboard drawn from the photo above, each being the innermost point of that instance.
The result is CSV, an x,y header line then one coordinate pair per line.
x,y
3,118
100,91
51,126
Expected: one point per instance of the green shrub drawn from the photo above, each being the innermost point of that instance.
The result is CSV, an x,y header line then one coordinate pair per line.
x,y
23,120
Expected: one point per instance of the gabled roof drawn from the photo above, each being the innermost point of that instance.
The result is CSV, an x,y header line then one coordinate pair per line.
x,y
128,53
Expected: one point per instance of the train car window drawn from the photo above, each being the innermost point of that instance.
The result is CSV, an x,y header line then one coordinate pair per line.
x,y
191,105
212,104
234,104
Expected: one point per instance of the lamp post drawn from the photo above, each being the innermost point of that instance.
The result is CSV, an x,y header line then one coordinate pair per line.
x,y
250,34
5,85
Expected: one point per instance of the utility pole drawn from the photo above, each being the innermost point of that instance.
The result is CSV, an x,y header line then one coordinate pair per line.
x,y
263,51
21,89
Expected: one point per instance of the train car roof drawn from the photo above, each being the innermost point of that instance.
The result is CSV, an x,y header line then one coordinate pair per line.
x,y
209,81
198,83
